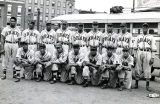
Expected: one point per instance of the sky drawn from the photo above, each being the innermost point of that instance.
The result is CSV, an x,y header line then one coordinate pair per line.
x,y
102,5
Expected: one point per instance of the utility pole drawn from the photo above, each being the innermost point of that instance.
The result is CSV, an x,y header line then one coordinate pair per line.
x,y
133,9
38,18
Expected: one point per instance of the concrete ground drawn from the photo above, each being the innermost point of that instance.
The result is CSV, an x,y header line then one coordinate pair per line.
x,y
31,92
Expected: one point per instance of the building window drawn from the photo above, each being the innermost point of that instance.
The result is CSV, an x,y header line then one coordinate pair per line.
x,y
41,2
35,17
47,2
9,9
41,10
53,11
58,11
29,9
30,1
53,4
36,1
8,18
64,4
47,18
41,17
59,4
19,10
47,10
18,20
35,9
64,12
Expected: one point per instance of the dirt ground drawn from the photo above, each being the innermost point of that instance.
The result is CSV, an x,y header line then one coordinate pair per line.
x,y
31,92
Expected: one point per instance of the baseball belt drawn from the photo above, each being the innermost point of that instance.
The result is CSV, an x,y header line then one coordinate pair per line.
x,y
10,42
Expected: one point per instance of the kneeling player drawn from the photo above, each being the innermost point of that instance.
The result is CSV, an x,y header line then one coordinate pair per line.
x,y
124,69
109,65
75,65
59,61
91,65
43,63
24,60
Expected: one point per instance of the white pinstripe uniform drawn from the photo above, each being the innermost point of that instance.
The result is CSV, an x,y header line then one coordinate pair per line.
x,y
32,37
49,38
12,36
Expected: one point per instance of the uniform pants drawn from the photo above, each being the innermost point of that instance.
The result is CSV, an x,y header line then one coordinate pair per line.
x,y
10,55
142,65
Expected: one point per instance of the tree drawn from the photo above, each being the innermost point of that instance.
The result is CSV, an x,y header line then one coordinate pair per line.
x,y
116,9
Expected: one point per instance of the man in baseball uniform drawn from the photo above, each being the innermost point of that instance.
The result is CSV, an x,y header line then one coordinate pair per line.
x,y
32,36
109,38
91,65
108,68
75,64
81,37
10,38
64,36
125,69
95,35
145,45
124,39
59,62
43,60
48,37
24,61
56,26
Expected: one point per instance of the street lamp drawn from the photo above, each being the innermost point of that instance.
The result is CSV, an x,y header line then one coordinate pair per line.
x,y
38,18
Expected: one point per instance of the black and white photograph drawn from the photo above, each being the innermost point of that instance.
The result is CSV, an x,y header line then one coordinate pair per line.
x,y
79,51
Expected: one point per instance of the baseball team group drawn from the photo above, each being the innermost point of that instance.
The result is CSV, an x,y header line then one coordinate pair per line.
x,y
105,59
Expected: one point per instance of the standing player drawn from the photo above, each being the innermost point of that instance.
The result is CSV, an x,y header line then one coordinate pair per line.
x,y
125,69
24,60
48,37
75,64
43,63
124,39
10,38
32,36
109,64
109,38
95,35
91,65
64,36
81,37
56,26
59,61
145,45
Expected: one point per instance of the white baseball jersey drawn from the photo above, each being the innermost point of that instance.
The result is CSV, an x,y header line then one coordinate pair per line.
x,y
60,57
97,60
94,36
129,60
30,36
11,34
64,36
124,40
29,55
113,59
109,38
45,58
76,59
145,41
80,37
48,37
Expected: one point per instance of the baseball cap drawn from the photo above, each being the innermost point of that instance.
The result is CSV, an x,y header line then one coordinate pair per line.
x,y
80,24
59,44
32,22
126,49
123,25
109,24
95,23
48,22
145,24
93,48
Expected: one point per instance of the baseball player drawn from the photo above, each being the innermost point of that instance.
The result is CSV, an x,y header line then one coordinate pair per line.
x,y
32,36
75,65
125,69
108,68
56,27
124,39
59,61
109,38
145,45
10,38
81,37
24,61
48,37
43,63
64,36
95,35
91,65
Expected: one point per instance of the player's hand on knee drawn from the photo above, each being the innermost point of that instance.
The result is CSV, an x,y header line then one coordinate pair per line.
x,y
151,61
